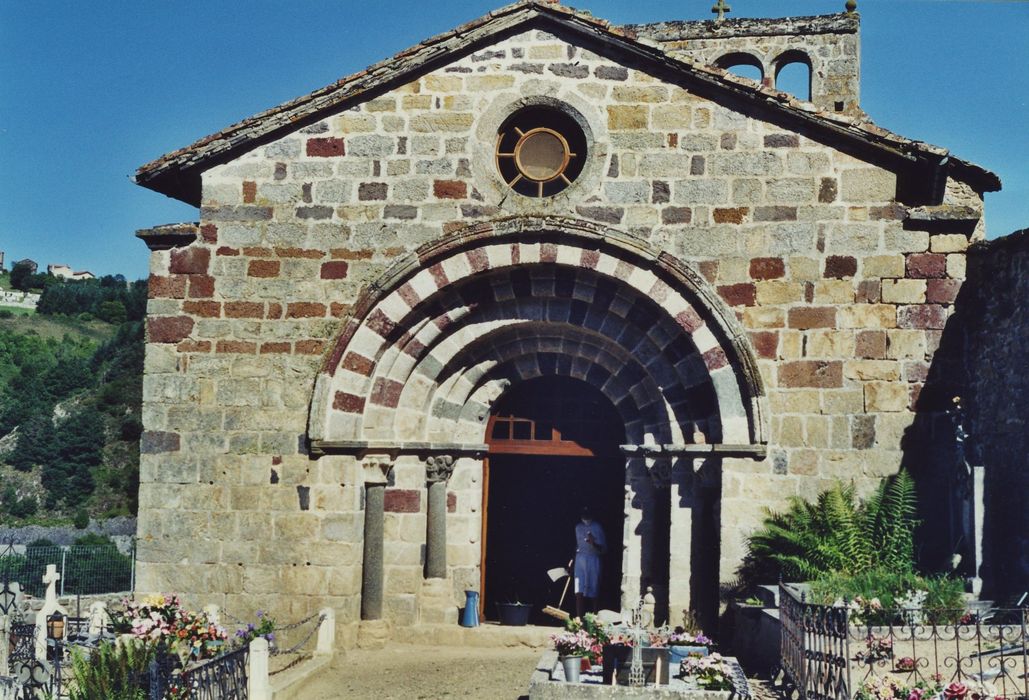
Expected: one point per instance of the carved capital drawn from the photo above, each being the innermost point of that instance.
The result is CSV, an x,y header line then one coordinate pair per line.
x,y
375,469
439,468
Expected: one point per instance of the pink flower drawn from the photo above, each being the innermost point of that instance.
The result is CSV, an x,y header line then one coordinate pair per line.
x,y
955,691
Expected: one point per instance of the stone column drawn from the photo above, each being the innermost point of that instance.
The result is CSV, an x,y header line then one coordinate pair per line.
x,y
680,565
438,470
375,470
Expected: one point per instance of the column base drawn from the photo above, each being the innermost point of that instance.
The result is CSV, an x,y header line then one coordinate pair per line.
x,y
372,634
436,602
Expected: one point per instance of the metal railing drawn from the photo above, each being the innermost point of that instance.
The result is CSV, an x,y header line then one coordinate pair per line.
x,y
835,653
84,569
221,678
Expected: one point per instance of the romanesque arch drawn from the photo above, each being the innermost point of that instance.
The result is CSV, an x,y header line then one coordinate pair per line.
x,y
445,330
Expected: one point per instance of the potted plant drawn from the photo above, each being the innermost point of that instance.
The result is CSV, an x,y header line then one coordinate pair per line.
x,y
572,648
514,614
711,672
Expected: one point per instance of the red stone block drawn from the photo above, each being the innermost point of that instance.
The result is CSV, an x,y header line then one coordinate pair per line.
x,y
263,268
715,359
744,294
309,347
709,270
274,310
226,250
194,346
336,270
730,216
868,292
689,320
269,348
817,374
922,316
767,268
386,392
255,251
169,329
305,309
766,344
307,253
840,266
204,309
201,286
242,347
926,265
348,403
209,233
244,309
326,147
805,317
190,261
449,189
249,191
358,363
380,323
337,310
942,291
159,287
870,345
402,500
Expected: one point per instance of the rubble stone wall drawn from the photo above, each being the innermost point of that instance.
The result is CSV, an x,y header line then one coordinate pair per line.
x,y
842,298
996,362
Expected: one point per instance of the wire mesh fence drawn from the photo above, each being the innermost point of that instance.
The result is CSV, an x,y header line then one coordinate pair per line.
x,y
84,569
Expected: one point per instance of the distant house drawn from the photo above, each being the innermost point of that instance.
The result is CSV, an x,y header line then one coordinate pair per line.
x,y
65,272
32,264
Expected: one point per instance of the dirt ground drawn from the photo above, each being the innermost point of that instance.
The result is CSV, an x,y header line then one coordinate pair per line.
x,y
423,672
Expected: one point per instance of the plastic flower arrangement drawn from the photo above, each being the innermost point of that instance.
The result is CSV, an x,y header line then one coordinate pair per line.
x,y
161,618
573,643
678,637
711,672
264,627
876,688
876,649
905,663
864,611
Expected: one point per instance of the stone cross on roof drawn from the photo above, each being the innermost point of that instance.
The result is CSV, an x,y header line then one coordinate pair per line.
x,y
720,8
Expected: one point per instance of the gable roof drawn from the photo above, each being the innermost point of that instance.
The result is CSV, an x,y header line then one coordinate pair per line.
x,y
178,174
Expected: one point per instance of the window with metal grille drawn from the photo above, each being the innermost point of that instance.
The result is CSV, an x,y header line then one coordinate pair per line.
x,y
540,151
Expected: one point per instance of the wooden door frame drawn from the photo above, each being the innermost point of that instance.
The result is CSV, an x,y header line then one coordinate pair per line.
x,y
540,448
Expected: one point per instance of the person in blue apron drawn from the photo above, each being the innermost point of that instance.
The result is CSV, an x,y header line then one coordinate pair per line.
x,y
590,545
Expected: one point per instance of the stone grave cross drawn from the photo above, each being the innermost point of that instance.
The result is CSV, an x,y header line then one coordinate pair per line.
x,y
639,630
50,606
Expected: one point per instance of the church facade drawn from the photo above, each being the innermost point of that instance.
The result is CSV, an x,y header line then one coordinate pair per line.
x,y
537,263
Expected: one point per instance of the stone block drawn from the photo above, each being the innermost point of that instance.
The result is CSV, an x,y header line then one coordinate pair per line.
x,y
926,265
168,329
806,317
922,316
942,291
906,344
830,344
868,316
870,345
626,117
883,266
956,265
866,370
868,185
777,292
822,374
767,268
948,243
903,291
834,292
885,397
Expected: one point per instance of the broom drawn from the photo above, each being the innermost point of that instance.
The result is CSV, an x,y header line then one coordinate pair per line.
x,y
554,575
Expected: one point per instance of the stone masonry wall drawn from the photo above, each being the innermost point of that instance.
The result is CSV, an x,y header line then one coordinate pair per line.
x,y
829,45
842,300
997,318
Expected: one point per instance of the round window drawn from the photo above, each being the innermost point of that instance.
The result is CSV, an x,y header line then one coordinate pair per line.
x,y
540,151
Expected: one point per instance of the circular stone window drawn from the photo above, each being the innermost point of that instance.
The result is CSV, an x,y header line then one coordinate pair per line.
x,y
540,151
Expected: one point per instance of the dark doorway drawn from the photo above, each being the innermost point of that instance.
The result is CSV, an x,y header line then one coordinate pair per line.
x,y
553,449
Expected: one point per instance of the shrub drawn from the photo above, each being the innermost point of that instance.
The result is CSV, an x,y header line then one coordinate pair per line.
x,y
838,534
112,671
943,601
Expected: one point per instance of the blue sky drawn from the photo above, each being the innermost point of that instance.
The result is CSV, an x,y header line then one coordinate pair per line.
x,y
91,90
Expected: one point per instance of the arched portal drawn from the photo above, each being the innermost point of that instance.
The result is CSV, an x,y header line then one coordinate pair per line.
x,y
553,449
438,340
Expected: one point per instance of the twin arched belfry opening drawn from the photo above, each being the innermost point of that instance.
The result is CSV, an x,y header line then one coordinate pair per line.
x,y
557,364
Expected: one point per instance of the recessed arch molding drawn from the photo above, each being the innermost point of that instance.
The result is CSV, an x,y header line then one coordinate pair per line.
x,y
445,330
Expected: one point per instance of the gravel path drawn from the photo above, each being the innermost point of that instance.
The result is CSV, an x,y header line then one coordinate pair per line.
x,y
414,672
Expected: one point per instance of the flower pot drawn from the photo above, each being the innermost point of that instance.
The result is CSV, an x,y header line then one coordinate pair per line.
x,y
572,666
678,652
514,614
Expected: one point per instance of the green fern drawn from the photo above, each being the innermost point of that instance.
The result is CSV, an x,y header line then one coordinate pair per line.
x,y
837,533
111,671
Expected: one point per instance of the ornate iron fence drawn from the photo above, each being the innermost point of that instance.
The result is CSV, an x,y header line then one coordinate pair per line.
x,y
815,647
835,652
222,678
